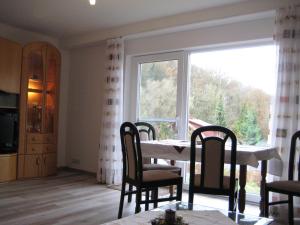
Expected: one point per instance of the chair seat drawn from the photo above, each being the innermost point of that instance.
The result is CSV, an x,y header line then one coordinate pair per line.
x,y
226,181
147,167
286,186
158,175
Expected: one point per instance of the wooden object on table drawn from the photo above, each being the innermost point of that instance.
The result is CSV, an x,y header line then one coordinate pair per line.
x,y
39,110
8,167
10,66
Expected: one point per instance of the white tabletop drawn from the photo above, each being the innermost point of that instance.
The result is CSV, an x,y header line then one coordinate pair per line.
x,y
180,150
191,217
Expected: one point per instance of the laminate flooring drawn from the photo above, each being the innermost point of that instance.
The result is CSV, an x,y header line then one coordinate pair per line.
x,y
69,198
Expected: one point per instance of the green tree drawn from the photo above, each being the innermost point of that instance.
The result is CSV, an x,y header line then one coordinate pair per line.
x,y
220,113
247,128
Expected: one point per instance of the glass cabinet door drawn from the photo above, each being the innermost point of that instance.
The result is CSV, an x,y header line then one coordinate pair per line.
x,y
51,90
35,75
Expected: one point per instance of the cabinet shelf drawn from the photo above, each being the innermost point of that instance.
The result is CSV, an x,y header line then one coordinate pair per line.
x,y
39,91
34,90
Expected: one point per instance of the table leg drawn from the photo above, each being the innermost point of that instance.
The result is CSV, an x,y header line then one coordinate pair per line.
x,y
242,191
171,188
263,173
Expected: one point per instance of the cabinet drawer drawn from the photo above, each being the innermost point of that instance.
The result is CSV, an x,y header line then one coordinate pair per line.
x,y
40,148
35,148
48,138
40,138
48,148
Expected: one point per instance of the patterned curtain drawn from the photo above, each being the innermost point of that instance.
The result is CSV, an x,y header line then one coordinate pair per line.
x,y
110,155
286,110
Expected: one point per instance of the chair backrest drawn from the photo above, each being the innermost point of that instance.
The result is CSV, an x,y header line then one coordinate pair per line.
x,y
213,140
131,150
146,131
292,156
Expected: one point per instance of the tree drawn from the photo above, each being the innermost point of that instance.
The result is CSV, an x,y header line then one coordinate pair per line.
x,y
220,112
247,128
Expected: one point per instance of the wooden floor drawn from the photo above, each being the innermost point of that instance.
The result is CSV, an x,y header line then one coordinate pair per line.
x,y
70,198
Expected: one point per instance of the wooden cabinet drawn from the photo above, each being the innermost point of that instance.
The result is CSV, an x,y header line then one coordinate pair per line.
x,y
8,167
10,66
37,165
39,110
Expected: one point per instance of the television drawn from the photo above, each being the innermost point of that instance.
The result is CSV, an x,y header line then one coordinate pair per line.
x,y
8,131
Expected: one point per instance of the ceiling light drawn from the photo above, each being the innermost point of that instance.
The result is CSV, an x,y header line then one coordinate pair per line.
x,y
92,2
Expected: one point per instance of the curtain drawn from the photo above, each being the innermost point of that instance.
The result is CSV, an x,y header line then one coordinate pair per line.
x,y
110,155
285,118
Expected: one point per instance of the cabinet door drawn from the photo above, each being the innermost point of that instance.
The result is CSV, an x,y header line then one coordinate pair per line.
x,y
10,66
8,167
49,164
51,83
33,165
33,85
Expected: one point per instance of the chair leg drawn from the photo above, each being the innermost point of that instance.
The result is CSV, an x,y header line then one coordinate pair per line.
x,y
138,200
155,198
266,203
179,192
130,195
122,200
291,210
147,200
231,202
191,195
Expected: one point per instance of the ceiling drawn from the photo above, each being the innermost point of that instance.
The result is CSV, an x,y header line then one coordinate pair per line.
x,y
66,18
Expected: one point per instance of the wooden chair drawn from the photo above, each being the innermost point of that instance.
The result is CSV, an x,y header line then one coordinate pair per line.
x,y
134,174
147,132
212,180
290,187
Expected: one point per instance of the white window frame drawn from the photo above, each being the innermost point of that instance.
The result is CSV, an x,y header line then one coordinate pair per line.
x,y
182,84
182,91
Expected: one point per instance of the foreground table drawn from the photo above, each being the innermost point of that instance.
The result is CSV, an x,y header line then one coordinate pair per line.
x,y
246,156
194,215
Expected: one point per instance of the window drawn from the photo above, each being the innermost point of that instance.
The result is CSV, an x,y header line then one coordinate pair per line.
x,y
179,92
159,98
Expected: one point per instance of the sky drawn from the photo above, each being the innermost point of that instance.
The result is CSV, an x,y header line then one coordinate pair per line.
x,y
253,66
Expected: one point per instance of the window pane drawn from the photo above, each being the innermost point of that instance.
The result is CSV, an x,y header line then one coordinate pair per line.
x,y
233,88
158,90
165,130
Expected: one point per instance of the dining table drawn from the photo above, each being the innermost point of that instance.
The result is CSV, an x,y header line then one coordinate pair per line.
x,y
247,155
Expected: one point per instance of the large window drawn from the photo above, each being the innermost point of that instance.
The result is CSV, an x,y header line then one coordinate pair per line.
x,y
232,87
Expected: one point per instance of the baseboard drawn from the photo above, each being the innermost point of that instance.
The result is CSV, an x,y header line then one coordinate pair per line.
x,y
69,169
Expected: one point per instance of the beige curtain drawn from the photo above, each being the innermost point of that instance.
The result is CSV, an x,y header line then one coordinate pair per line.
x,y
110,155
286,108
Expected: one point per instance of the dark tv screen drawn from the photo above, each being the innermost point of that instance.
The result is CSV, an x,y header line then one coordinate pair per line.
x,y
8,132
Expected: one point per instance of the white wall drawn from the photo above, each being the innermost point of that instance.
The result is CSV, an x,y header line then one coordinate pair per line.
x,y
23,37
230,33
84,108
